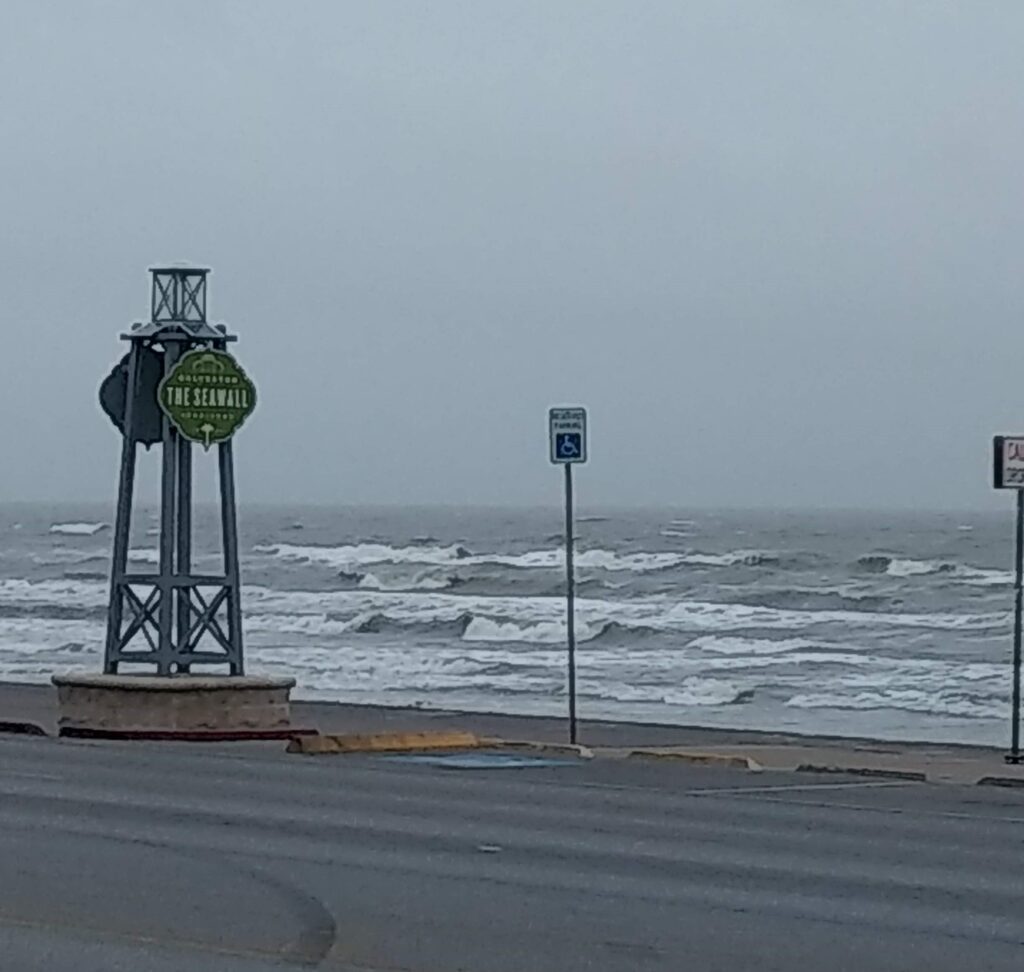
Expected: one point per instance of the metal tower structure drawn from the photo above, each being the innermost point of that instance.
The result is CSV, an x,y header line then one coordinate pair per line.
x,y
173,618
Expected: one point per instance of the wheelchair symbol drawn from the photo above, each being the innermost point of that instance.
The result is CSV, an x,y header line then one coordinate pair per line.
x,y
568,445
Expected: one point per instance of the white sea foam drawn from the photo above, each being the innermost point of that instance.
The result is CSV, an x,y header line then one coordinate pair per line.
x,y
702,692
69,555
144,555
59,593
907,567
910,568
542,632
732,558
660,613
981,577
361,554
430,582
904,699
349,557
483,674
927,685
420,582
717,652
405,636
848,658
502,655
692,691
645,680
749,646
481,647
696,615
37,636
354,556
316,625
409,674
606,560
711,560
78,529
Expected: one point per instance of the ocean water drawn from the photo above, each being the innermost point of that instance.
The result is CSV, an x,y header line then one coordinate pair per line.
x,y
878,624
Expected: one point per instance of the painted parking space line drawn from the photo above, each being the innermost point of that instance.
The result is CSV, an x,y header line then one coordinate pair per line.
x,y
805,787
22,775
479,761
906,811
753,790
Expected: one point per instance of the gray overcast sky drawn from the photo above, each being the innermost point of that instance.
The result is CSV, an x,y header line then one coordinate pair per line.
x,y
776,247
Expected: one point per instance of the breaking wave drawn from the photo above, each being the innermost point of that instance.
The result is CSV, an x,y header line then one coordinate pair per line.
x,y
382,624
750,646
350,557
421,582
746,558
78,529
946,702
540,632
813,598
660,613
692,691
907,567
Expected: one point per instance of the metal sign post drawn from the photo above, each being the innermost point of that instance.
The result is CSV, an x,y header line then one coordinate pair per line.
x,y
567,438
1008,473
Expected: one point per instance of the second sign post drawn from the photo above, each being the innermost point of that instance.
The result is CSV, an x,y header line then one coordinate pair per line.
x,y
1008,473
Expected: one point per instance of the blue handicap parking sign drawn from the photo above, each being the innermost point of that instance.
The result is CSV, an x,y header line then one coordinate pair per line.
x,y
568,435
569,445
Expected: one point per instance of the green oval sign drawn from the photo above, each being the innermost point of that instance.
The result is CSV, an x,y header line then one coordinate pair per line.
x,y
207,396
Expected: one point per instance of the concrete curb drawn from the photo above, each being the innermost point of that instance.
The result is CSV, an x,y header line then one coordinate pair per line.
x,y
558,749
22,728
185,735
727,760
382,742
1014,781
912,776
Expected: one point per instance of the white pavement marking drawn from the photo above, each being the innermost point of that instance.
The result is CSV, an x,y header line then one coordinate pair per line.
x,y
7,774
718,791
903,811
790,788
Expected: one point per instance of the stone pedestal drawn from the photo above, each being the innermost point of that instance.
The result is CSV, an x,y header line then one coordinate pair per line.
x,y
174,707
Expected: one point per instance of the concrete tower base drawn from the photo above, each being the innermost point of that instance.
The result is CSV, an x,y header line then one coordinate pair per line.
x,y
187,707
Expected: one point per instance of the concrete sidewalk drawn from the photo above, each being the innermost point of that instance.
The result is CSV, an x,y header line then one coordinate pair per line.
x,y
881,760
36,705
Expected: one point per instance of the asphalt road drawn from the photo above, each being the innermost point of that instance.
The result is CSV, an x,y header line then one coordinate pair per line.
x,y
154,857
